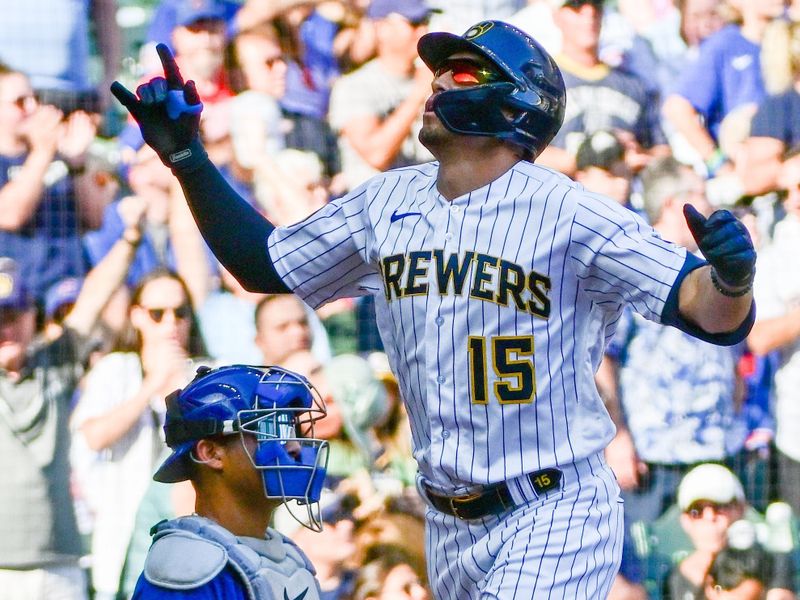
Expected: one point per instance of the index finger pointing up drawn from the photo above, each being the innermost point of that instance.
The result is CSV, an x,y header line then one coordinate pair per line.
x,y
171,72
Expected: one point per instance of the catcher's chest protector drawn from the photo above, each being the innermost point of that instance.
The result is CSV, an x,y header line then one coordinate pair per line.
x,y
188,552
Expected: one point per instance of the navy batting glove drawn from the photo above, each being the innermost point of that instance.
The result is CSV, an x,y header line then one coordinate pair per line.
x,y
168,113
727,247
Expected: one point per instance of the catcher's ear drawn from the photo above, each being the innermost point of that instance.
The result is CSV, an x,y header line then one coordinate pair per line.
x,y
209,452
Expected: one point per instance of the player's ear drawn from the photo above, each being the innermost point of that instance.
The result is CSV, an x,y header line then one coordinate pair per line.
x,y
209,452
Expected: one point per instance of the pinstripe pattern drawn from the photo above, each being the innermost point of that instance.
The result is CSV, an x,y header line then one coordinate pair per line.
x,y
566,545
537,271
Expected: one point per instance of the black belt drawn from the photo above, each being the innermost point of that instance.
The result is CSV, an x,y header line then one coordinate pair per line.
x,y
492,500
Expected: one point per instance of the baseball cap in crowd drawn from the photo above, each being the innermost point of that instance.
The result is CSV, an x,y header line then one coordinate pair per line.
x,y
710,482
601,149
13,294
61,294
191,11
416,11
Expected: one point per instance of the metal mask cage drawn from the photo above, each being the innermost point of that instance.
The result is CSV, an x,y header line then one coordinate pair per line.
x,y
284,431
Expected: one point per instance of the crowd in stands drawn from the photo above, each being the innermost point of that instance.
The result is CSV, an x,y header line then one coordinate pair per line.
x,y
110,299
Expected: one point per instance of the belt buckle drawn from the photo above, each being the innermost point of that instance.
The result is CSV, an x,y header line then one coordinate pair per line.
x,y
456,501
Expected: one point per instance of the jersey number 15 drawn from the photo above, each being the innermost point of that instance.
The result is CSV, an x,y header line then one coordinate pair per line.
x,y
512,361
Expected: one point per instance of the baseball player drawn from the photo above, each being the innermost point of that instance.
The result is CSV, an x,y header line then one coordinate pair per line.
x,y
244,437
496,283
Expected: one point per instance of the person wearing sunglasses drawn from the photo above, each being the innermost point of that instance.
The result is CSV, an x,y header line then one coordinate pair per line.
x,y
117,419
726,560
496,282
45,187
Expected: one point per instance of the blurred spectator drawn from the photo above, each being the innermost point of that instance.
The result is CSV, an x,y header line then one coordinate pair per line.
x,y
357,404
149,181
699,20
537,20
257,125
51,41
198,43
332,551
456,16
43,184
310,32
600,166
599,96
394,434
117,420
726,77
376,109
727,561
650,38
284,325
396,520
290,185
240,15
161,501
629,583
363,406
38,378
691,387
777,328
227,322
388,574
775,128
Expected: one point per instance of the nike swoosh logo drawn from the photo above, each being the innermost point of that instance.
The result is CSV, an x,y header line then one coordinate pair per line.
x,y
300,597
396,216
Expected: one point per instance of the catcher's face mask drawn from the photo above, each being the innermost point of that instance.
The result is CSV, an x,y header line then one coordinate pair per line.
x,y
291,460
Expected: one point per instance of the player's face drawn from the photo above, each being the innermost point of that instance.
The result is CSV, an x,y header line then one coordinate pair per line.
x,y
240,474
458,71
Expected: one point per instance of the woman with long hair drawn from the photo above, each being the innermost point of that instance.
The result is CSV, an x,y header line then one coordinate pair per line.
x,y
118,419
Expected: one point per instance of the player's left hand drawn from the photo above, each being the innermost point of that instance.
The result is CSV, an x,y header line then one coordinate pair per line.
x,y
726,245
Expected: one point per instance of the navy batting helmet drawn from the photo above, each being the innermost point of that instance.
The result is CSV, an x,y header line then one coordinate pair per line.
x,y
525,108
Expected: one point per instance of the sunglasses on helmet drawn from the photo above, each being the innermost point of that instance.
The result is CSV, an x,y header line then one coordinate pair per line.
x,y
468,72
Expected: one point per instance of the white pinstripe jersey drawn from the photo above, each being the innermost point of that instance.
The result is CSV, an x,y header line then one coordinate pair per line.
x,y
492,307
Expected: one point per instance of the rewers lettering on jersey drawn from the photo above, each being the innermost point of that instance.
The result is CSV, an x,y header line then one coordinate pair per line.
x,y
484,277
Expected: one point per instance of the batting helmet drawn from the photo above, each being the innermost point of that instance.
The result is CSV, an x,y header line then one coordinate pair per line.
x,y
276,406
526,108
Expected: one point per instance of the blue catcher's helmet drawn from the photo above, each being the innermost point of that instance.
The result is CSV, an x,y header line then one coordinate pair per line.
x,y
276,406
526,108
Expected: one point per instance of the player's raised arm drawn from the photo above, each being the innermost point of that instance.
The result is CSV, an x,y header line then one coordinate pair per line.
x,y
719,297
168,113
